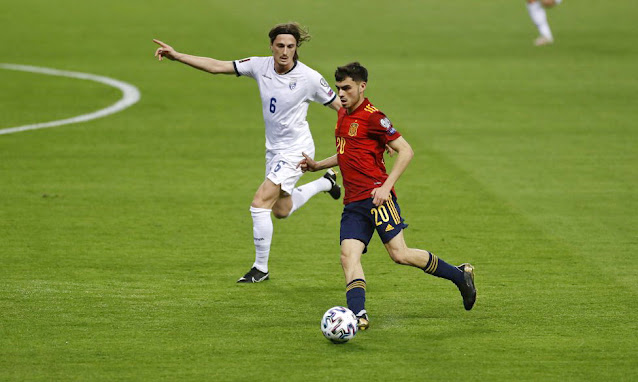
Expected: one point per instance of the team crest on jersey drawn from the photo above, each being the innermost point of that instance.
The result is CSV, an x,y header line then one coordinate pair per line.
x,y
292,85
353,129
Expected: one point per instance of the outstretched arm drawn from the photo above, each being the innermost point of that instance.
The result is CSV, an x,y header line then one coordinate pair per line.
x,y
404,156
206,64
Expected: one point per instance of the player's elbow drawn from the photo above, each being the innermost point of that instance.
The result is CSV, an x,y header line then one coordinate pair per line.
x,y
410,153
407,153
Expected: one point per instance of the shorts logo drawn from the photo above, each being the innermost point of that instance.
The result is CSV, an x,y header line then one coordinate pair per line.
x,y
292,85
353,129
244,60
389,227
323,83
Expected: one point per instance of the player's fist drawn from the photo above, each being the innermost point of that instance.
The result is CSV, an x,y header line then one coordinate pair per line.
x,y
307,164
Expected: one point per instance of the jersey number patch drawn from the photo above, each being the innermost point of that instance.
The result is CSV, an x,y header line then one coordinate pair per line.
x,y
273,101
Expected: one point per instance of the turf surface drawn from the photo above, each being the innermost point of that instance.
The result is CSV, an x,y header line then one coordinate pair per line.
x,y
121,238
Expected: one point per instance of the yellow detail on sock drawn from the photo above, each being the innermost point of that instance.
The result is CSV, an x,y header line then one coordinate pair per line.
x,y
356,284
434,263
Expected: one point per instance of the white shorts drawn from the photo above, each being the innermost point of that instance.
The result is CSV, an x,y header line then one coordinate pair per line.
x,y
283,170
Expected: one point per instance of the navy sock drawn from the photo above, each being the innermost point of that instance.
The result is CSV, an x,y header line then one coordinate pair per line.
x,y
356,295
440,268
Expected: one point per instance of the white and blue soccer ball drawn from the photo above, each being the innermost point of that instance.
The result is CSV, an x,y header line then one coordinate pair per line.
x,y
339,324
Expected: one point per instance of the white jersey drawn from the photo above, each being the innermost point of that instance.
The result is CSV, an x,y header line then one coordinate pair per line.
x,y
285,99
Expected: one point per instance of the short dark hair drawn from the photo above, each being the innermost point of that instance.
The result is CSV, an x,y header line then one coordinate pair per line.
x,y
300,34
353,70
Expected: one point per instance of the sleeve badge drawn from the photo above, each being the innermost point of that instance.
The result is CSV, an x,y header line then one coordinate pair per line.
x,y
385,122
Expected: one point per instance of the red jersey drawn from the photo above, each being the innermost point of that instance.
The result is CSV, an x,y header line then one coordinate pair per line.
x,y
361,139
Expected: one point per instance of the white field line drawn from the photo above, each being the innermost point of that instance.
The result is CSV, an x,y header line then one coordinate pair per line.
x,y
130,95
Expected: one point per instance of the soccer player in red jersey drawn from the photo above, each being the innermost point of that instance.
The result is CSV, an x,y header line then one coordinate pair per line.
x,y
362,134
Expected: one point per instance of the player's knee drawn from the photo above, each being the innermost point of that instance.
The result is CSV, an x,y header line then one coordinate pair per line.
x,y
279,214
398,256
258,202
281,210
399,260
347,259
344,258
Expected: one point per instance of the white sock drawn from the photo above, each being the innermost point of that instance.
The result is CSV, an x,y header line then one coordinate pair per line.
x,y
302,194
262,235
539,17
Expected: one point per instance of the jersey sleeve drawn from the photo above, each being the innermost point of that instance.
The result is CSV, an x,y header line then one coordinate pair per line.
x,y
320,91
381,127
245,66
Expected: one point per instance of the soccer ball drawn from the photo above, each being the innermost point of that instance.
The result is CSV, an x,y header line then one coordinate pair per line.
x,y
339,324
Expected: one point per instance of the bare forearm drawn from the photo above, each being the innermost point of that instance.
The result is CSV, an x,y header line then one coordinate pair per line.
x,y
326,163
206,64
400,164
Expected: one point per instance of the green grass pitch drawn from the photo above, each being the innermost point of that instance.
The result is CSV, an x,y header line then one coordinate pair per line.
x,y
121,238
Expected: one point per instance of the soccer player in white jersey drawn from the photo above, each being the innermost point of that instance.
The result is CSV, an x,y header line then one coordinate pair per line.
x,y
536,9
287,87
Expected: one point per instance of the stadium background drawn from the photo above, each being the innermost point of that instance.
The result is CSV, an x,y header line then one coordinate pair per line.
x,y
121,238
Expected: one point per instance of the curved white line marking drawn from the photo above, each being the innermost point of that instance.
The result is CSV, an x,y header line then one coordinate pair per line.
x,y
130,95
